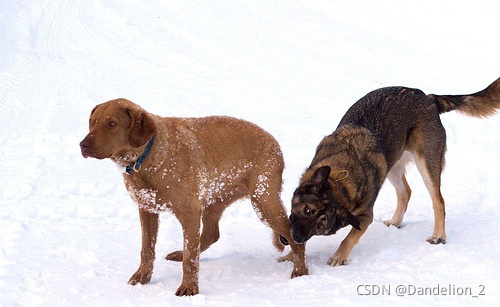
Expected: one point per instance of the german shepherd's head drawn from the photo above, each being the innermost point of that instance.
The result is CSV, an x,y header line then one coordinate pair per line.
x,y
315,211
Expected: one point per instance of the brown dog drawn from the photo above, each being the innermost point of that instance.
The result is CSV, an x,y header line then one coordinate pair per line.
x,y
375,140
195,168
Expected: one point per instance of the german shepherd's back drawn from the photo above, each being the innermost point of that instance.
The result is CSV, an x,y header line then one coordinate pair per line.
x,y
392,113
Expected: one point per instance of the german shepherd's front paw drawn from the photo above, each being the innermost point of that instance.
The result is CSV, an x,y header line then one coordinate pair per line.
x,y
436,240
392,222
142,276
187,289
338,260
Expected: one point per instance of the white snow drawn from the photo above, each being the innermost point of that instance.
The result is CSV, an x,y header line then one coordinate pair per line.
x,y
262,186
70,233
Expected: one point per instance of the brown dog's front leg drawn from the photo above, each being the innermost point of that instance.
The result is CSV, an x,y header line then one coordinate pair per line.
x,y
149,226
190,256
299,260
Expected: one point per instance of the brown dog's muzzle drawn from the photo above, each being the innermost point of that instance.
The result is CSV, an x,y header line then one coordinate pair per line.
x,y
87,147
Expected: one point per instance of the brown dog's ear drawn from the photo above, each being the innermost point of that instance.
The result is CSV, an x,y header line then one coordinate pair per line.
x,y
320,178
350,218
92,112
95,108
141,128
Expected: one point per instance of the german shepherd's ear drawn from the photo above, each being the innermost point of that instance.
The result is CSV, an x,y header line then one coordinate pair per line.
x,y
141,128
320,178
350,218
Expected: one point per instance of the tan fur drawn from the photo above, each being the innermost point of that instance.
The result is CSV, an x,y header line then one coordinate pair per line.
x,y
196,168
397,178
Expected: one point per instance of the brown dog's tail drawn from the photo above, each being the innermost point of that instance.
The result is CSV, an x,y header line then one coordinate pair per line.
x,y
480,104
277,242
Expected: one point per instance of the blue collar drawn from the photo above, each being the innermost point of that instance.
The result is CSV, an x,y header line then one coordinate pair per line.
x,y
136,166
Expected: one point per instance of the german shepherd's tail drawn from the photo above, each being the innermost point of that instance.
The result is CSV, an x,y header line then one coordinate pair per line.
x,y
480,104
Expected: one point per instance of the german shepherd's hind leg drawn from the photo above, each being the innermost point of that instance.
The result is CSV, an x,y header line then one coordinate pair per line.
x,y
430,162
397,178
266,201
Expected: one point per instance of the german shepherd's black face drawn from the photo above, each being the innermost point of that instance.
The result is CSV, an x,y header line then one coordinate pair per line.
x,y
315,211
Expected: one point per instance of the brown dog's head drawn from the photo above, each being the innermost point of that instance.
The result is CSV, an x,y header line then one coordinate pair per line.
x,y
116,126
315,211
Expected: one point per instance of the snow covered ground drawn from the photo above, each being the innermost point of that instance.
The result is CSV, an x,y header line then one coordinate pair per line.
x,y
69,232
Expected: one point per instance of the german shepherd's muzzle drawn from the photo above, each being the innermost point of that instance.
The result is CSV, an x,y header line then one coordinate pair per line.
x,y
375,140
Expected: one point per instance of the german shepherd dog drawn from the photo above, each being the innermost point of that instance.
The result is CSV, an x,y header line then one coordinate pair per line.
x,y
375,140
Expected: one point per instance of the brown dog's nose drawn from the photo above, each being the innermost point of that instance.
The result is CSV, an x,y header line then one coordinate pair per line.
x,y
85,146
84,143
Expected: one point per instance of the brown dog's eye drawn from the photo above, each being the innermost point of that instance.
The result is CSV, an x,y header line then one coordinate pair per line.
x,y
112,124
321,226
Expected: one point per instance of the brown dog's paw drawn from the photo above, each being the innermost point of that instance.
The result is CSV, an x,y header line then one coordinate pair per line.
x,y
299,267
187,289
436,240
297,272
288,257
142,276
174,256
